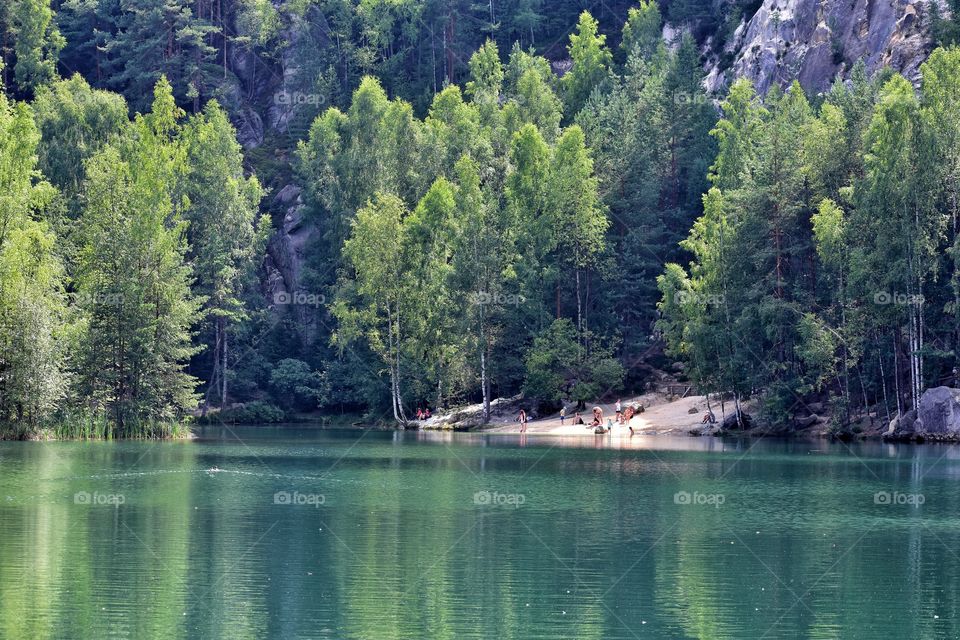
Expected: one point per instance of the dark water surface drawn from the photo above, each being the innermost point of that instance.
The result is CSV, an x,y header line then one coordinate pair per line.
x,y
305,533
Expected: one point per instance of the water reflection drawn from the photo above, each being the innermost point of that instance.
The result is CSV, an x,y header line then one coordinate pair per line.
x,y
412,540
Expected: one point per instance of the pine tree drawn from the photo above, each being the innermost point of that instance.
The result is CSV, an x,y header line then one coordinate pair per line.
x,y
134,280
642,31
592,61
226,239
155,38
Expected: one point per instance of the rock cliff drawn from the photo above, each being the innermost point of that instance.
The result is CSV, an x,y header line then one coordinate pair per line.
x,y
814,40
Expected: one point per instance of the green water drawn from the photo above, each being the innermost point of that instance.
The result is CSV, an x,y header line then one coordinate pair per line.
x,y
581,539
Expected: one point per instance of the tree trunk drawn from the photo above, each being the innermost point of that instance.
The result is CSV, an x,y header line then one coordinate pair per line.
x,y
223,369
400,410
484,380
390,362
883,380
579,313
216,369
896,373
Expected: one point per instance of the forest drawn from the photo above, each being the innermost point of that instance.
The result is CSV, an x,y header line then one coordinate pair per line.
x,y
505,198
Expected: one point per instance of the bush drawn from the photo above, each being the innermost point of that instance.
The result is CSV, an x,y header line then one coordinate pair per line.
x,y
556,369
256,412
297,386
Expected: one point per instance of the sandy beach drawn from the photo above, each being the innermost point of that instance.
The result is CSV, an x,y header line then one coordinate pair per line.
x,y
667,417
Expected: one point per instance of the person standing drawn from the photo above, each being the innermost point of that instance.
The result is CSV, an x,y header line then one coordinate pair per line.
x,y
563,414
619,410
522,419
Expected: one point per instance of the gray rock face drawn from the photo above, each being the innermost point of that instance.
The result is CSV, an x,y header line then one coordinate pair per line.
x,y
730,422
249,128
815,40
937,417
939,412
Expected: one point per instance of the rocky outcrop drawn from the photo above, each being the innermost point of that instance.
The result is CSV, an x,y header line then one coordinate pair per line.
x,y
937,418
815,40
285,262
730,422
471,417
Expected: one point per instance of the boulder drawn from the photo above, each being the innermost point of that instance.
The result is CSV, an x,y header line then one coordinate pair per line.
x,y
902,426
815,407
730,421
706,430
471,417
937,417
287,196
938,412
807,421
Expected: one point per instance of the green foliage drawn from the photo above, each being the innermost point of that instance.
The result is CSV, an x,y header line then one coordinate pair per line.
x,y
460,243
502,221
650,139
225,237
133,279
255,412
642,31
945,30
558,369
819,261
297,386
75,122
591,64
37,43
162,38
32,311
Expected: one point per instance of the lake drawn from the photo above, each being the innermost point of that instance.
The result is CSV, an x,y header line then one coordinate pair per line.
x,y
292,532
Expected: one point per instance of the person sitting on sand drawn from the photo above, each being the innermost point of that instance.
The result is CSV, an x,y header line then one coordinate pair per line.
x,y
577,419
597,416
419,413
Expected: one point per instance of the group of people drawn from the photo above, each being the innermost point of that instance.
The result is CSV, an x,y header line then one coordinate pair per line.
x,y
596,423
423,413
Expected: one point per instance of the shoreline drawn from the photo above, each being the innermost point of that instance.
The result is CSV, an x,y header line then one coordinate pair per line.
x,y
662,416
